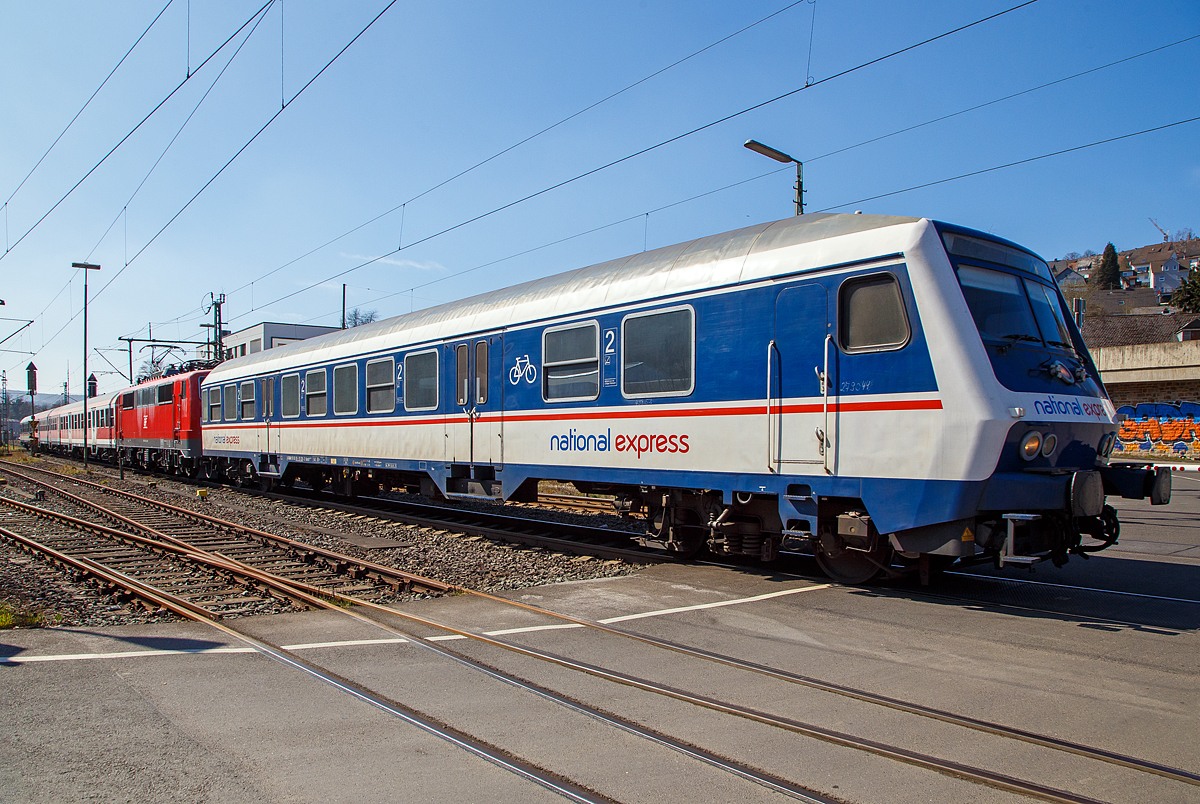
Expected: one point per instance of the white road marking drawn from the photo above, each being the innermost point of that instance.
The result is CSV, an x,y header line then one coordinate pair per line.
x,y
658,613
134,654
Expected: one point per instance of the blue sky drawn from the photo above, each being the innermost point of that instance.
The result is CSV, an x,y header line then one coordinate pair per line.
x,y
431,89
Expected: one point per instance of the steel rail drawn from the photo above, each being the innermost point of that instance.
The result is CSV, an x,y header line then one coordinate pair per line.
x,y
407,579
319,598
984,776
898,704
942,766
504,528
169,545
474,745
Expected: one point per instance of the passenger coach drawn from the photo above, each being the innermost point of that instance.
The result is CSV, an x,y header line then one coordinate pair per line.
x,y
883,390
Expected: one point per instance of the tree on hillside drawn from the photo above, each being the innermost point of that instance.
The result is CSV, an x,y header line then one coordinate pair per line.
x,y
1108,275
1187,297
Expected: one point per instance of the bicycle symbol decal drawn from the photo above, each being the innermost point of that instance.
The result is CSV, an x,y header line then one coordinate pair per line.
x,y
523,368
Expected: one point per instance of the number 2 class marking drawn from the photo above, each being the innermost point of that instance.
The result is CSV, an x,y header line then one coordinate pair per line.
x,y
610,342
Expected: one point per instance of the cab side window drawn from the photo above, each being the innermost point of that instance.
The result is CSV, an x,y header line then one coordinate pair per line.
x,y
871,316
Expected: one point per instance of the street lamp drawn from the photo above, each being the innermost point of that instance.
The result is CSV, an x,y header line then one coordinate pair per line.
x,y
780,156
85,266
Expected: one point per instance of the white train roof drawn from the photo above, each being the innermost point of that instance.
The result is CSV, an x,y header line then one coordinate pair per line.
x,y
94,403
722,259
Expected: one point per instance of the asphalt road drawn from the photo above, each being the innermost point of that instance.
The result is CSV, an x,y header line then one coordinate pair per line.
x,y
181,712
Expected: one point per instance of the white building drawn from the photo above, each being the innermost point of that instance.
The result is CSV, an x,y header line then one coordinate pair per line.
x,y
268,335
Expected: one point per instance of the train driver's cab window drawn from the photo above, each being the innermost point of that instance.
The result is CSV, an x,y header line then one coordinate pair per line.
x,y
658,354
289,391
230,407
248,400
127,401
421,381
381,386
164,393
314,393
571,362
214,404
871,316
345,390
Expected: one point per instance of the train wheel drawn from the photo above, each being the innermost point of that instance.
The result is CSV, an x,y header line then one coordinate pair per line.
x,y
851,567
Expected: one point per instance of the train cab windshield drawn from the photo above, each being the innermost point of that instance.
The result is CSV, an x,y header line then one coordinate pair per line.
x,y
1017,309
1010,309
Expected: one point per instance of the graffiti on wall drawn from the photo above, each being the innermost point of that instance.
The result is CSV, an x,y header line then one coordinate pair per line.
x,y
1159,430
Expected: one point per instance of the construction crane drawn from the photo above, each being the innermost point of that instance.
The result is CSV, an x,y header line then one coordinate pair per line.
x,y
1166,237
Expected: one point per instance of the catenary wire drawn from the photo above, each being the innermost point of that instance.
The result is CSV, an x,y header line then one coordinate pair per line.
x,y
1013,164
223,167
786,169
1005,98
516,145
559,241
103,159
650,148
243,148
196,108
88,101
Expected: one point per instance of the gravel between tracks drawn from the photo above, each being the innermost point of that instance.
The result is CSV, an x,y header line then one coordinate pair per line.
x,y
442,555
34,592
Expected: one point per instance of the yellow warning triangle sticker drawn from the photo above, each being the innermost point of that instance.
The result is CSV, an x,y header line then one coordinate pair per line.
x,y
968,536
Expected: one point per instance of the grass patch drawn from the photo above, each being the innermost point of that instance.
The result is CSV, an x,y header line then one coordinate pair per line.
x,y
16,618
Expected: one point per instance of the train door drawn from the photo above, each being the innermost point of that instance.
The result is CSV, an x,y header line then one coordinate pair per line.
x,y
178,410
801,403
270,418
475,427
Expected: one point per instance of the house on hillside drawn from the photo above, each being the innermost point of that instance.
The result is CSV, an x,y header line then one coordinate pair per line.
x,y
1069,277
1162,266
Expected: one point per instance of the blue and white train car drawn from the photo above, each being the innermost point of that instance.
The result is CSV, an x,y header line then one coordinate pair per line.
x,y
882,389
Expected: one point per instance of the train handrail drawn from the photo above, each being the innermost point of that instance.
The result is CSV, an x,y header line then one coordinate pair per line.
x,y
772,464
826,441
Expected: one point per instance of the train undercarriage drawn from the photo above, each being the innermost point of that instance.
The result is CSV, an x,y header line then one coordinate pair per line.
x,y
841,534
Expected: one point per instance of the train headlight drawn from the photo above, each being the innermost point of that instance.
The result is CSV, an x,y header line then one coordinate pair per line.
x,y
1049,444
1031,445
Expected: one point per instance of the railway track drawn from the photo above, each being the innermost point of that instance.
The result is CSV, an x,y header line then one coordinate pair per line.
x,y
291,588
291,560
568,538
88,556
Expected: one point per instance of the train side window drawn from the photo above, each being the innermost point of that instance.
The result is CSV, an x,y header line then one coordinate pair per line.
x,y
462,379
658,353
421,381
571,362
127,401
229,408
289,389
871,316
248,400
314,393
164,394
481,372
345,390
214,404
381,386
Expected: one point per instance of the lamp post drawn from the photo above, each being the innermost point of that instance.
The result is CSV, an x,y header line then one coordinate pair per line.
x,y
85,267
780,156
